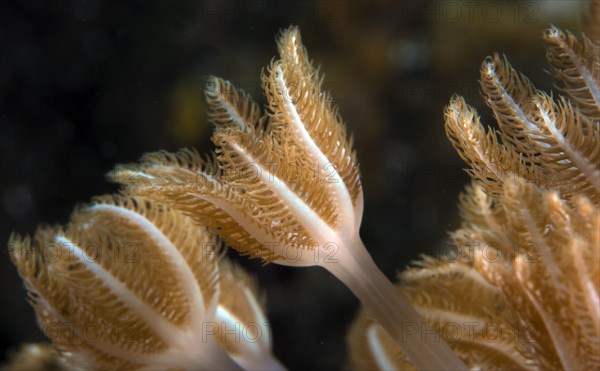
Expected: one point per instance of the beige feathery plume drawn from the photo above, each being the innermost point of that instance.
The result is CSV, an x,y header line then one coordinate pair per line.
x,y
285,187
522,290
542,140
520,293
243,329
557,141
577,65
133,284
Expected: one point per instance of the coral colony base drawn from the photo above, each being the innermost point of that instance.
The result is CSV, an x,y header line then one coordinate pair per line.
x,y
284,186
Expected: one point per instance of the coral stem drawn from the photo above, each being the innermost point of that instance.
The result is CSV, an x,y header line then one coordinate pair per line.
x,y
210,356
267,363
386,304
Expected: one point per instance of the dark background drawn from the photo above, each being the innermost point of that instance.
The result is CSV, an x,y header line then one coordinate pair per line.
x,y
87,84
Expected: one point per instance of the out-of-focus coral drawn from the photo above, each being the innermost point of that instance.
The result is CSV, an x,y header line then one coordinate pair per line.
x,y
521,290
35,357
134,284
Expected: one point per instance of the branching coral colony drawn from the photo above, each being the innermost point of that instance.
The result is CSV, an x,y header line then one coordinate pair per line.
x,y
284,187
133,284
522,290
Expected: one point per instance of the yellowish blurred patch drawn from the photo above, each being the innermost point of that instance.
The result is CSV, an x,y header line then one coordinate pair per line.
x,y
34,357
188,121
